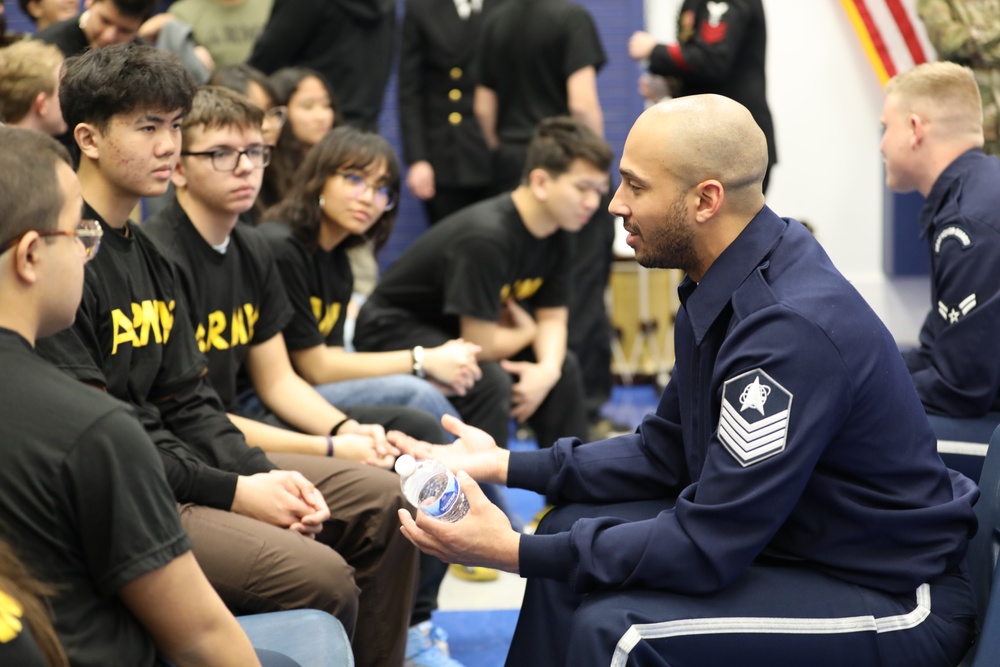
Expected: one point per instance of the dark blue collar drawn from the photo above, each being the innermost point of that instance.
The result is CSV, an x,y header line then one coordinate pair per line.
x,y
950,178
704,301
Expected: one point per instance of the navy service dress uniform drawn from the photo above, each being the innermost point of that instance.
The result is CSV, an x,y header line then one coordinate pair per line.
x,y
955,368
720,49
435,102
785,504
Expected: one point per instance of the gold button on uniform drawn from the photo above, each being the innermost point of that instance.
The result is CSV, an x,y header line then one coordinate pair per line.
x,y
454,94
455,73
454,118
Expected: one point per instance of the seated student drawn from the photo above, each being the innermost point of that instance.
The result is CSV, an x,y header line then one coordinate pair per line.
x,y
469,275
238,306
932,143
46,12
83,498
784,506
133,337
102,23
313,110
345,193
255,85
29,87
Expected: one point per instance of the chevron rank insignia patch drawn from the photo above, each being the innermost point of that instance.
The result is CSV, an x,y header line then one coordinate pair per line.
x,y
753,422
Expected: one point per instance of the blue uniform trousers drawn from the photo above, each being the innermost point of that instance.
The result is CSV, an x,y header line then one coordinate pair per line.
x,y
774,615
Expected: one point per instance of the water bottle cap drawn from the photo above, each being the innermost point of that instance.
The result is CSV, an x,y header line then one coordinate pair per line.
x,y
405,465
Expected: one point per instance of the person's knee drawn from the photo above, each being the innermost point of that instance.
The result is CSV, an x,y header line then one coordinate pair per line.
x,y
420,425
495,385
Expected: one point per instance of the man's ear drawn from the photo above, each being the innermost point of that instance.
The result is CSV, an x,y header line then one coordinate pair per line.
x,y
25,260
918,130
710,195
88,139
538,181
179,177
39,103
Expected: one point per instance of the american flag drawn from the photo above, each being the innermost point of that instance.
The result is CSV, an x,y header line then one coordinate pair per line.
x,y
891,35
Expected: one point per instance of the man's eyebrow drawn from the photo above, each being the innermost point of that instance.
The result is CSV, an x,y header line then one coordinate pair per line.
x,y
630,175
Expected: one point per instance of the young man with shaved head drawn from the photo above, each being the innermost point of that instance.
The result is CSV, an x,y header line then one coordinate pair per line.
x,y
933,143
784,505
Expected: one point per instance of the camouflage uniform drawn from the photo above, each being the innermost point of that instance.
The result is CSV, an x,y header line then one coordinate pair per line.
x,y
968,32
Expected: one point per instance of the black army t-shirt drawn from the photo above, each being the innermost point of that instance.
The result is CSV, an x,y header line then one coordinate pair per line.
x,y
235,298
473,262
319,285
83,502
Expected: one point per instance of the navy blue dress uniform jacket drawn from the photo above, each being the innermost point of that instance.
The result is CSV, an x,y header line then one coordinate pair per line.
x,y
957,366
436,92
790,431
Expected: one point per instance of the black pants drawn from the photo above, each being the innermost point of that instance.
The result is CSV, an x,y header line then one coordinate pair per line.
x,y
589,324
448,200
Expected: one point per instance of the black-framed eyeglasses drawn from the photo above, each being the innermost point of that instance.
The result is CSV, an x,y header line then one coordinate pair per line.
x,y
88,233
385,196
227,159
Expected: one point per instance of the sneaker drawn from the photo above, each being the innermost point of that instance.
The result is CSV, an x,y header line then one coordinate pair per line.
x,y
473,573
427,646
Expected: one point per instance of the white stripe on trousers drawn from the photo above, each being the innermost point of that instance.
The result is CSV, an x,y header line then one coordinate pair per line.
x,y
772,625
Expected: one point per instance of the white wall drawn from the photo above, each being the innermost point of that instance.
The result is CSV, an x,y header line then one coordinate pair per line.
x,y
826,100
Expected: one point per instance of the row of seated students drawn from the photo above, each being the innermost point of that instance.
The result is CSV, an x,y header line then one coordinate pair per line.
x,y
211,289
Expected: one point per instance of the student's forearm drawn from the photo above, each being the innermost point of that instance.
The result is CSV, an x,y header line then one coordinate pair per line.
x,y
335,365
504,344
278,440
297,403
550,344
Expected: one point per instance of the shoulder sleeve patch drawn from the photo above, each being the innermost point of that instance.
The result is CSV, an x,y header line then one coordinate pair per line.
x,y
955,233
753,421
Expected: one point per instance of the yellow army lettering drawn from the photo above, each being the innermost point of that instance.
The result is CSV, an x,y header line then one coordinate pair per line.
x,y
149,316
327,317
240,326
523,290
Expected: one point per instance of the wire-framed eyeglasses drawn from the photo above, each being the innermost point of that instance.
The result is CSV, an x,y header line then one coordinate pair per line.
x,y
227,159
385,196
88,233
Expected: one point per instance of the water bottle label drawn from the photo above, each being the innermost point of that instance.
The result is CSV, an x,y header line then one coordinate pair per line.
x,y
441,505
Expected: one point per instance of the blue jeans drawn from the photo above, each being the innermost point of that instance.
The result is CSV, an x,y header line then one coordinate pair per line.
x,y
405,390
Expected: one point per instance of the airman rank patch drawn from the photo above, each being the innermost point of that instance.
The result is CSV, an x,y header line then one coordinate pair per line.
x,y
953,314
753,422
954,233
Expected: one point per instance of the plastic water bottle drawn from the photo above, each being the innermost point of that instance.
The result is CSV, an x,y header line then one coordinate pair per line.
x,y
432,488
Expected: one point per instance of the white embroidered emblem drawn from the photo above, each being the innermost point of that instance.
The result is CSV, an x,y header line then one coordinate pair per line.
x,y
952,232
951,315
754,396
762,431
716,10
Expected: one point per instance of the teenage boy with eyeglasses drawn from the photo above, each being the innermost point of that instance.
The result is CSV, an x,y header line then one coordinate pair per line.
x,y
83,499
265,537
239,307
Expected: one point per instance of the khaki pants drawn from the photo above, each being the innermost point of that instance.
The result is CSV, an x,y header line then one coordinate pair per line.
x,y
360,568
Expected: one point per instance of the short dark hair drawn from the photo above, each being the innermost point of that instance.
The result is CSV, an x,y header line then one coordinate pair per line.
x,y
30,196
342,148
239,77
560,140
101,83
137,9
217,107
